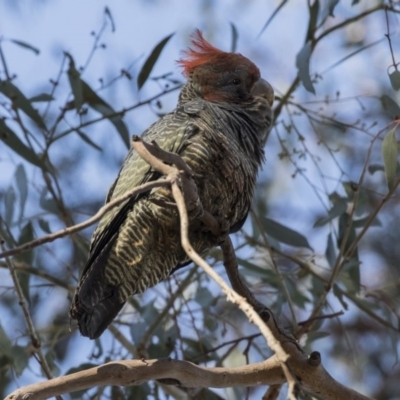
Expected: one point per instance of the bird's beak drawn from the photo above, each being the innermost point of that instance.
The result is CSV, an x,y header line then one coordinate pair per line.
x,y
263,89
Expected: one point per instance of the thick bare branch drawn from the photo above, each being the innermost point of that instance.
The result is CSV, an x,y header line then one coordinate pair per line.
x,y
137,372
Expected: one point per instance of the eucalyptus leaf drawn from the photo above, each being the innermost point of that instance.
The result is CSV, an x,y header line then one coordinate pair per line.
x,y
375,167
15,143
235,36
20,359
25,45
89,141
22,185
338,209
19,101
74,78
330,252
150,62
390,106
303,66
97,103
389,155
395,79
284,234
41,97
5,344
9,202
328,6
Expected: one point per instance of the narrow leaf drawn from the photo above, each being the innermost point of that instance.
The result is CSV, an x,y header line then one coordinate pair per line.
x,y
375,167
284,234
22,185
98,104
150,62
5,344
389,154
330,252
9,202
326,10
359,223
20,359
41,97
303,66
338,209
339,294
19,101
74,78
89,141
234,37
25,45
15,143
390,106
44,225
395,79
273,15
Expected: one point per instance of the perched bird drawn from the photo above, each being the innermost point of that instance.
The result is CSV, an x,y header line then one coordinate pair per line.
x,y
218,127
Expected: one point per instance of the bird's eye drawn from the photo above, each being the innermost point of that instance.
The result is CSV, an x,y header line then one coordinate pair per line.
x,y
236,81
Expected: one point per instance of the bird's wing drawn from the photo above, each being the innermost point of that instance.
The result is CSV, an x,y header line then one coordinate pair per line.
x,y
170,133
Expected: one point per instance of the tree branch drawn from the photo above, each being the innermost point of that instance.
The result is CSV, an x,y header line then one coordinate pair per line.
x,y
289,364
78,227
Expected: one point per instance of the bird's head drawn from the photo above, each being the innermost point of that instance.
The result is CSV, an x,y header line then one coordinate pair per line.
x,y
220,76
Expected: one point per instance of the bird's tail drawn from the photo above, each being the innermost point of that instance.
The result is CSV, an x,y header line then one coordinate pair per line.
x,y
96,302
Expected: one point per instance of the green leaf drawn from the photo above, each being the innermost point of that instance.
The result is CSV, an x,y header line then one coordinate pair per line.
x,y
338,209
359,223
375,167
74,78
19,101
9,203
26,236
350,275
255,270
273,15
390,106
20,359
150,62
330,252
326,10
284,234
25,45
234,37
339,294
41,97
22,185
303,66
204,297
47,204
15,143
389,155
395,79
98,104
89,141
44,225
5,344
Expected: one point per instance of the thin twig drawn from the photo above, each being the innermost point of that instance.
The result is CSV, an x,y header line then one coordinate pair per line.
x,y
78,227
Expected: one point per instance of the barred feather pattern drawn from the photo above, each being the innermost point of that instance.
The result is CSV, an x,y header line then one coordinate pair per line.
x,y
137,244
